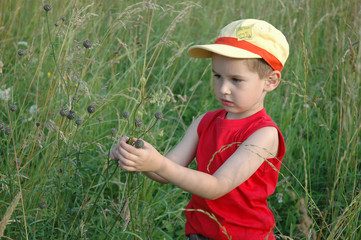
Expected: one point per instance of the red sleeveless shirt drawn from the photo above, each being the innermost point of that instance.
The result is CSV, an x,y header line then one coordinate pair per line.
x,y
243,212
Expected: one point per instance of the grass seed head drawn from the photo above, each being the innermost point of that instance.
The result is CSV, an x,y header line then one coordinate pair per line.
x,y
47,7
42,205
87,43
7,131
91,108
158,115
125,114
139,143
71,115
79,122
113,131
64,112
13,108
138,122
21,52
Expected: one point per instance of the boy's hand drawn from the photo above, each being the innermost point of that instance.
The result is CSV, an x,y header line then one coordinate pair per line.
x,y
114,154
144,159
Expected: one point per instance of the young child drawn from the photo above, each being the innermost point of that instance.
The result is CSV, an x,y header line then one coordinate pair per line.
x,y
238,149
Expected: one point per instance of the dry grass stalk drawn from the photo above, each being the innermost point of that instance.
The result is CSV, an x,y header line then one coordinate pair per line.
x,y
305,225
8,213
125,214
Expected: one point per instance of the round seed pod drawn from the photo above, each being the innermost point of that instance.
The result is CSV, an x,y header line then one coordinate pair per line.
x,y
42,205
158,115
139,143
38,124
7,131
79,122
64,112
138,122
125,114
113,131
63,18
17,160
47,7
21,52
87,43
75,98
13,108
71,115
2,125
91,108
56,24
100,118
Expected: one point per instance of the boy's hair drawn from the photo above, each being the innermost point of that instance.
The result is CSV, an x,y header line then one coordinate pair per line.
x,y
258,65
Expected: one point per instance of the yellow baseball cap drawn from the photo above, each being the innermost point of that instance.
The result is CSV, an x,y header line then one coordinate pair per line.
x,y
247,38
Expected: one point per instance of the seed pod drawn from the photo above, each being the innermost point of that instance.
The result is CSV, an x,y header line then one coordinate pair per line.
x,y
2,125
21,52
138,122
17,160
38,124
71,115
125,114
87,43
42,205
79,122
100,118
13,108
7,131
113,131
158,115
64,112
75,98
139,143
63,18
47,7
91,108
56,24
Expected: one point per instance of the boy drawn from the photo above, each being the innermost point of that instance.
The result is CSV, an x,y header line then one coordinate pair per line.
x,y
238,149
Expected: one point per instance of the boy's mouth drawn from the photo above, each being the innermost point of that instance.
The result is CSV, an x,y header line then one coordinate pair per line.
x,y
226,102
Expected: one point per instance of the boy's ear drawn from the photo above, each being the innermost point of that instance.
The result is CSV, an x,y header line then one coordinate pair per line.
x,y
272,80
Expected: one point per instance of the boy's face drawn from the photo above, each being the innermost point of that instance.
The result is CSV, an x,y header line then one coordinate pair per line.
x,y
240,90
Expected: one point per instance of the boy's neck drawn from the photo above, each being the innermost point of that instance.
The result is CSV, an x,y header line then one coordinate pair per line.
x,y
237,116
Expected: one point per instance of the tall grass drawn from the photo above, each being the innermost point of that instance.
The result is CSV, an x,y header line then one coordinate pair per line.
x,y
138,63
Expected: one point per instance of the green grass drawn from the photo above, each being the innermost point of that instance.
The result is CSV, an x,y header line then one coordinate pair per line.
x,y
138,62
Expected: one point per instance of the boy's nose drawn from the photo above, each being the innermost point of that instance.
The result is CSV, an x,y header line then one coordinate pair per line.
x,y
224,88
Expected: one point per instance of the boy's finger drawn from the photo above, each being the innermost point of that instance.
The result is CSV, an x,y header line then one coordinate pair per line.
x,y
125,152
126,146
123,139
126,167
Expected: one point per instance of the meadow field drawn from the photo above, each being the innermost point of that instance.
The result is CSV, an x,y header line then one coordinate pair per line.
x,y
76,75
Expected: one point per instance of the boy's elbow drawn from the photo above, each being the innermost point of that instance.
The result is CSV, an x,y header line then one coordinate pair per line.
x,y
213,195
216,196
219,189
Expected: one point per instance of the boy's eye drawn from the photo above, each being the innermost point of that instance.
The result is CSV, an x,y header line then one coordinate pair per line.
x,y
217,76
236,80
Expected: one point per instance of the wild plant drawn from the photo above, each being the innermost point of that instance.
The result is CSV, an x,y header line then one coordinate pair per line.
x,y
99,59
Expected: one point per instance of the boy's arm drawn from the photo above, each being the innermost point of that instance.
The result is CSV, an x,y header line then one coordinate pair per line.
x,y
238,168
182,154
